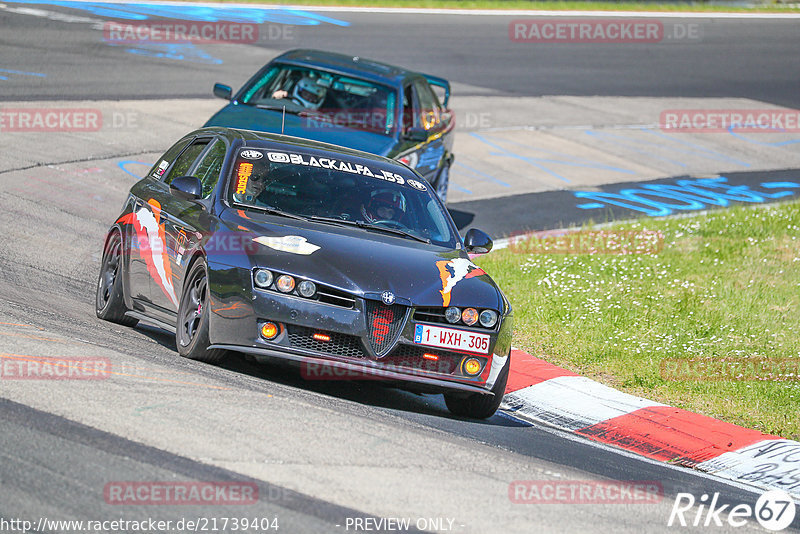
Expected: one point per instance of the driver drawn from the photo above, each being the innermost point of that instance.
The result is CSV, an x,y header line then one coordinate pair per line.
x,y
306,92
384,205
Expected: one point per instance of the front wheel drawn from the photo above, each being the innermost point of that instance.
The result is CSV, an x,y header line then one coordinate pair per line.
x,y
191,334
109,301
476,405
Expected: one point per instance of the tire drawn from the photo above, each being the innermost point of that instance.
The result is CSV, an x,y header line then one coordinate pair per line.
x,y
109,300
442,183
191,332
478,406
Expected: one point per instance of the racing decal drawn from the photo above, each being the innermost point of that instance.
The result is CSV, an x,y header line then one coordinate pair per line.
x,y
293,244
380,324
159,172
251,154
152,245
338,165
242,175
452,272
417,185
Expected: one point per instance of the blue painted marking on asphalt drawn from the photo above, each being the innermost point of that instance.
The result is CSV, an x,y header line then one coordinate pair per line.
x,y
177,51
658,200
483,174
779,185
713,154
762,143
9,71
532,161
460,188
144,11
3,77
602,135
124,166
573,160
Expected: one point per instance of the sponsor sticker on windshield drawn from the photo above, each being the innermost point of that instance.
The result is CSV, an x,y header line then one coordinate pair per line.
x,y
341,165
245,170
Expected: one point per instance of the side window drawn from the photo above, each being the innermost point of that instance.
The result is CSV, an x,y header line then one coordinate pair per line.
x,y
209,168
186,159
169,156
430,110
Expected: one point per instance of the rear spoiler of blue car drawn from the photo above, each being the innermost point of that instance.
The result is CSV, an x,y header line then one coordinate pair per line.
x,y
440,82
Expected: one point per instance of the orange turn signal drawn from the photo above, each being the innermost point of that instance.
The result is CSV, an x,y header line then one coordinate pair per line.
x,y
269,330
321,337
472,366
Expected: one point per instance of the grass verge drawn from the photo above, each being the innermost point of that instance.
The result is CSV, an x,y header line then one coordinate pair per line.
x,y
557,5
709,323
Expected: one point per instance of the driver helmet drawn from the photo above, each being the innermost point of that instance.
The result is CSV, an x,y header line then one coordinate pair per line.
x,y
384,205
307,93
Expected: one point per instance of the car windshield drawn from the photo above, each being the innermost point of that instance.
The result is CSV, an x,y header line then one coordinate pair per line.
x,y
325,98
335,190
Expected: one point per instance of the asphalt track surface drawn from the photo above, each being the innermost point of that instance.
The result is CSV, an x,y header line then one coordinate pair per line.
x,y
318,452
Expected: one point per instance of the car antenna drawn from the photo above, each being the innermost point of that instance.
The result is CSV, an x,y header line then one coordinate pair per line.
x,y
283,119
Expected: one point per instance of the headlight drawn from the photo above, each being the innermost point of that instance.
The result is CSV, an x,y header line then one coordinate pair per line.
x,y
263,278
285,283
452,314
488,318
307,288
469,316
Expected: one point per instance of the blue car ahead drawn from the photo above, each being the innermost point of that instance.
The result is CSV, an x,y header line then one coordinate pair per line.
x,y
352,102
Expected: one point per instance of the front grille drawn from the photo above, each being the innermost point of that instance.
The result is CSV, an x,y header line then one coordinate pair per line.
x,y
343,345
430,315
409,356
384,324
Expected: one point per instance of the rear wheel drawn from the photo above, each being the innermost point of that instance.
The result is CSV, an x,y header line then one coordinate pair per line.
x,y
478,406
109,301
191,334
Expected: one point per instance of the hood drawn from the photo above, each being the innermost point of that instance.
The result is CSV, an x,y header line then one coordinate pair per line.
x,y
265,120
362,261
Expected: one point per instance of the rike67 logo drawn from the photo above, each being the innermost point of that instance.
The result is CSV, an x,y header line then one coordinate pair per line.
x,y
774,510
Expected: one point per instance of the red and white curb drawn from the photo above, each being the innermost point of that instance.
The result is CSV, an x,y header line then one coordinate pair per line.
x,y
542,392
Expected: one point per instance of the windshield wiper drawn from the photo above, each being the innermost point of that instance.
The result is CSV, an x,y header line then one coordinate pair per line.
x,y
273,107
367,226
276,211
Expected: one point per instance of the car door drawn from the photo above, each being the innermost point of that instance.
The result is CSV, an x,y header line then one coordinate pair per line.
x,y
185,222
166,226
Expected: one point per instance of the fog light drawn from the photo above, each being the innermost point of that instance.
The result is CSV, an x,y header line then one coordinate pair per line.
x,y
488,318
452,314
285,283
269,330
263,278
469,316
472,366
307,288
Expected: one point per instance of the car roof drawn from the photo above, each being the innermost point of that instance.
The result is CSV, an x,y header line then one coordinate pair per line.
x,y
260,139
353,65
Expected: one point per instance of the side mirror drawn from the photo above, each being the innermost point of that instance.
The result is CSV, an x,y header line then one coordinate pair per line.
x,y
186,187
223,91
416,135
477,241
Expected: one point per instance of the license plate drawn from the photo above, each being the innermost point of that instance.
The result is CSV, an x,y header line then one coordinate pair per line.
x,y
450,338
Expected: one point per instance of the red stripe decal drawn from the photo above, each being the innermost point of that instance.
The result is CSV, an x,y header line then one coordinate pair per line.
x,y
671,434
527,370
